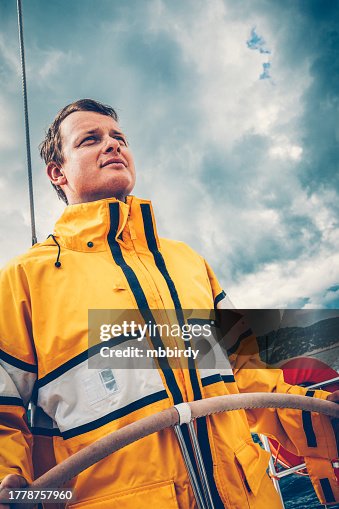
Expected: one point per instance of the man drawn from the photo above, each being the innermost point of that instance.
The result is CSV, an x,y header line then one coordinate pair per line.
x,y
105,254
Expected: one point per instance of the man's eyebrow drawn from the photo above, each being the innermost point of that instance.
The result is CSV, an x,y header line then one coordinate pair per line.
x,y
96,130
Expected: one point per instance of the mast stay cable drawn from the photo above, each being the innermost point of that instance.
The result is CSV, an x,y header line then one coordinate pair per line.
x,y
28,145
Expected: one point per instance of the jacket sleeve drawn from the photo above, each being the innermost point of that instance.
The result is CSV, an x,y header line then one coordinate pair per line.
x,y
306,434
17,373
303,433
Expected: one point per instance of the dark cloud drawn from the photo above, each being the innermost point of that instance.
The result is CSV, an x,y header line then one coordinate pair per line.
x,y
231,174
308,32
243,170
320,122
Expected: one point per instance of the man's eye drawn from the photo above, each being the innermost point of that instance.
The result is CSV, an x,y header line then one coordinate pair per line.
x,y
88,138
121,139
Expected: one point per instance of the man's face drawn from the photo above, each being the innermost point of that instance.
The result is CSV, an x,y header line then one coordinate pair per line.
x,y
97,161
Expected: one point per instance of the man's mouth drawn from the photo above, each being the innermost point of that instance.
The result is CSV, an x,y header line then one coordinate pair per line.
x,y
114,161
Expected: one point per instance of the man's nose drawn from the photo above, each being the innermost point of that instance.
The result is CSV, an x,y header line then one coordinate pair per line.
x,y
112,145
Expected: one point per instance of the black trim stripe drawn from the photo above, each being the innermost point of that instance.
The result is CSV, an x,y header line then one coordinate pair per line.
x,y
81,357
219,297
242,336
45,432
201,423
17,363
146,313
11,400
159,260
78,359
208,460
140,299
116,414
311,439
34,396
213,379
327,490
160,263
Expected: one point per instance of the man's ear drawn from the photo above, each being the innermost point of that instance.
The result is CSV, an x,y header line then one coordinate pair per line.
x,y
55,174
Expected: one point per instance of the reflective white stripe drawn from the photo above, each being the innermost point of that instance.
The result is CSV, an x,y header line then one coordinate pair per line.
x,y
185,413
16,382
211,354
82,395
7,386
225,303
204,373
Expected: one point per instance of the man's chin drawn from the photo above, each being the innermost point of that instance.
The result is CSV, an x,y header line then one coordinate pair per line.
x,y
121,186
118,193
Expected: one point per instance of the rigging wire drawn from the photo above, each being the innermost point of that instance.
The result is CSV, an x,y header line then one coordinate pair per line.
x,y
28,145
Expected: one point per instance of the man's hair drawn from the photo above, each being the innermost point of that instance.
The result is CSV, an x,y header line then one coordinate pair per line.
x,y
51,146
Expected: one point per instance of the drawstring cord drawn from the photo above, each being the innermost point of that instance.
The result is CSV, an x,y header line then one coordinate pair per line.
x,y
57,263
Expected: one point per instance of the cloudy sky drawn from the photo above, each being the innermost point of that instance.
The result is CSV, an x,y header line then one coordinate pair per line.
x,y
231,109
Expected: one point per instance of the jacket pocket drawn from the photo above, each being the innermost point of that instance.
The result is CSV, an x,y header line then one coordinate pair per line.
x,y
253,461
161,494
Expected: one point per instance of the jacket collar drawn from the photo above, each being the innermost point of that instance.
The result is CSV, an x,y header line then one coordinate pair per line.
x,y
87,226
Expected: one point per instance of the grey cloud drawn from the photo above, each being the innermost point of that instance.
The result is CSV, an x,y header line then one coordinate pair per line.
x,y
307,31
14,235
218,188
333,288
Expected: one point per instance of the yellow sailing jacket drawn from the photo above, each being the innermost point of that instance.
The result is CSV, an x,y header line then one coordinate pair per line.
x,y
112,258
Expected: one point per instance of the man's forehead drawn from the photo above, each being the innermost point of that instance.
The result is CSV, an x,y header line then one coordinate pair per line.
x,y
80,121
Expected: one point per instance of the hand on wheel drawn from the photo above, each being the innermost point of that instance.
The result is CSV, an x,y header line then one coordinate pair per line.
x,y
12,481
333,397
